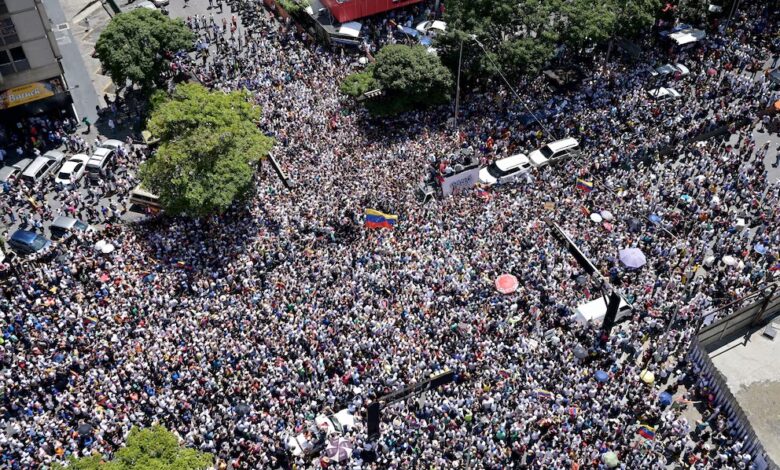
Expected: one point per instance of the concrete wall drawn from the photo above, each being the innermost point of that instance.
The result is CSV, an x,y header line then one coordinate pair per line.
x,y
33,28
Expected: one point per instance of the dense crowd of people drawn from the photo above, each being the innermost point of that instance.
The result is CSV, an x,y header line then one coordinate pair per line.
x,y
235,331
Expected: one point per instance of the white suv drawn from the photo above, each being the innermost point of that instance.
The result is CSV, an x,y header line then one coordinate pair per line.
x,y
505,170
554,151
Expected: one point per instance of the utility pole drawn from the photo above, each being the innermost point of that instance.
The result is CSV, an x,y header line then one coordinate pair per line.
x,y
733,9
457,87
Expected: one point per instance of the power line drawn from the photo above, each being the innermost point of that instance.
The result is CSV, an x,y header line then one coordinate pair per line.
x,y
511,88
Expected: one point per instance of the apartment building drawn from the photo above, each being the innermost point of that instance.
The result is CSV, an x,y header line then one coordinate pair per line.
x,y
31,80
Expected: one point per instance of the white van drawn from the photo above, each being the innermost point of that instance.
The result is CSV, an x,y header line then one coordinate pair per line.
x,y
43,166
595,311
99,161
554,152
141,197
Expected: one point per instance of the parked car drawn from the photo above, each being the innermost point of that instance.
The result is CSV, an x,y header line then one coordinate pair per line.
x,y
554,152
99,162
72,170
27,242
305,443
43,166
670,69
662,94
143,198
112,144
314,438
160,3
431,26
148,4
505,170
337,423
7,173
11,172
63,226
23,164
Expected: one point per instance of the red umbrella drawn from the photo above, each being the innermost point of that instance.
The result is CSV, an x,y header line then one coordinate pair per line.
x,y
711,72
506,283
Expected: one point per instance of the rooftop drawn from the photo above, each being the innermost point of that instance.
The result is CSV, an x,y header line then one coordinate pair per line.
x,y
752,374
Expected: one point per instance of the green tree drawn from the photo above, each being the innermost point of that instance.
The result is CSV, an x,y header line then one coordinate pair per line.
x,y
293,8
153,448
519,35
135,44
410,77
697,12
209,146
588,23
357,84
636,16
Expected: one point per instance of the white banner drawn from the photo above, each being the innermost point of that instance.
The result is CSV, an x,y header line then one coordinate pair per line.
x,y
460,181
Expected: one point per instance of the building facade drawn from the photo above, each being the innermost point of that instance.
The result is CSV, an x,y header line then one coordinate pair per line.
x,y
30,71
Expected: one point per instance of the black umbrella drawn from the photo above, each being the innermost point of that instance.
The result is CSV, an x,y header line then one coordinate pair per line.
x,y
84,429
634,225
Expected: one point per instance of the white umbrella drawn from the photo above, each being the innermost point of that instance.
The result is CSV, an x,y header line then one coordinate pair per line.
x,y
729,260
632,257
595,217
107,248
607,215
99,245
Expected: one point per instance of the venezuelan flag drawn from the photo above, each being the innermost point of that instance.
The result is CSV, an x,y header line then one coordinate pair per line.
x,y
583,185
648,432
544,394
376,219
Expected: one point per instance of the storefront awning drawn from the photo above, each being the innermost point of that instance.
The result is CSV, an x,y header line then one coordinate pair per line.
x,y
31,92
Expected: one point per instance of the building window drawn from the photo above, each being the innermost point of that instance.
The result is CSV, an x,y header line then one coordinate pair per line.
x,y
20,59
13,61
3,7
6,66
8,32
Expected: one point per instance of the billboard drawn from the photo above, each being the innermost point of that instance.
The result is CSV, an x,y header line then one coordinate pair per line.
x,y
31,92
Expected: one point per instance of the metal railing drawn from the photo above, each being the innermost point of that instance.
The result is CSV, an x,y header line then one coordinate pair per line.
x,y
738,422
752,310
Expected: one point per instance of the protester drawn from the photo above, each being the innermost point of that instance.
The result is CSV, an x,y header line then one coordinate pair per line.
x,y
237,330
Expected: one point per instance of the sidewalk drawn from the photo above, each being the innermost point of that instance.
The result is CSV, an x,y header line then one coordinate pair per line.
x,y
77,75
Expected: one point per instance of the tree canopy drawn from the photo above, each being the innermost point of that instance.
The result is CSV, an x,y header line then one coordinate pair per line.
x,y
522,35
134,45
153,448
209,147
409,77
357,84
412,74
